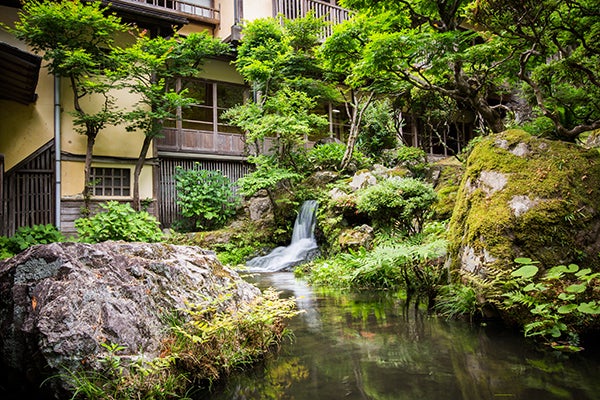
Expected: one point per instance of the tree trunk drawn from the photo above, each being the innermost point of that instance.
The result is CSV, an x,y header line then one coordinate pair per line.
x,y
356,115
91,135
138,170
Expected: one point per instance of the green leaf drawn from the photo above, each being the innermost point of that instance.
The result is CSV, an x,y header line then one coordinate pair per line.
x,y
583,272
526,271
524,260
572,268
576,288
589,308
567,308
566,297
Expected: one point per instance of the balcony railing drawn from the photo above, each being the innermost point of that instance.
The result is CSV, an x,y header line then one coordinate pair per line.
x,y
197,8
299,8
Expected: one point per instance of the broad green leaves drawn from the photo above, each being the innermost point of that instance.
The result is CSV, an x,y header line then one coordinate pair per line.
x,y
561,301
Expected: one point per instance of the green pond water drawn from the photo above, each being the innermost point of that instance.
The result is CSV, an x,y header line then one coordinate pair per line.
x,y
370,346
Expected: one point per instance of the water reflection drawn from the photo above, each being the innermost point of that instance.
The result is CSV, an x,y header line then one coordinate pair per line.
x,y
370,346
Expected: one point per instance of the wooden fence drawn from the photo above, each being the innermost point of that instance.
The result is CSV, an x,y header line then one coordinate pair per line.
x,y
29,191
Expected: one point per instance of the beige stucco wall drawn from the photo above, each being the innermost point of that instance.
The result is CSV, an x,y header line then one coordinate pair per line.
x,y
251,10
72,175
24,128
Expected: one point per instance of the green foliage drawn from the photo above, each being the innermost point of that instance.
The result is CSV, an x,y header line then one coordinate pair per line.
x,y
286,117
562,301
329,156
456,301
412,158
267,175
406,201
26,237
207,198
558,49
378,129
5,248
409,265
541,126
215,341
118,222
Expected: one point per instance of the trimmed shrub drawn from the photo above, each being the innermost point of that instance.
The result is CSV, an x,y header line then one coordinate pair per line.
x,y
405,201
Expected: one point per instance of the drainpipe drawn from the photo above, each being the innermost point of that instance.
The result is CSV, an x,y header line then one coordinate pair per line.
x,y
57,150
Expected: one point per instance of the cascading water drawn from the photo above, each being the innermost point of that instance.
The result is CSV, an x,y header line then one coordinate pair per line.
x,y
302,247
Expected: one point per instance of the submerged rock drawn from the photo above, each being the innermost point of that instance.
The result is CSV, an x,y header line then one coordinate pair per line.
x,y
523,196
59,302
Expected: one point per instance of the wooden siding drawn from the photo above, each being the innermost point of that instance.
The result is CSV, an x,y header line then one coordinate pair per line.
x,y
29,191
193,141
168,210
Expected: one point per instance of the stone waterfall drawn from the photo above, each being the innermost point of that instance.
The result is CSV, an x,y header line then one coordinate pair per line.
x,y
303,246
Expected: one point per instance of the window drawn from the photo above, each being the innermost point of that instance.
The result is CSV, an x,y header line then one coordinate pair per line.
x,y
111,181
213,98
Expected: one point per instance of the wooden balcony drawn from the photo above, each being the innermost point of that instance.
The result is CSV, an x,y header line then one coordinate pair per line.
x,y
192,141
187,10
331,13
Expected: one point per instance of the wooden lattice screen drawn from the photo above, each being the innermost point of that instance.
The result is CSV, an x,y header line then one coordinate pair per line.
x,y
168,210
29,191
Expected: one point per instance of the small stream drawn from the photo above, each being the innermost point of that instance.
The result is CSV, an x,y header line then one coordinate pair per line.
x,y
370,346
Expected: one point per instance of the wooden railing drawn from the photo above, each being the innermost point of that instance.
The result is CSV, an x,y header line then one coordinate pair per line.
x,y
194,141
299,8
186,7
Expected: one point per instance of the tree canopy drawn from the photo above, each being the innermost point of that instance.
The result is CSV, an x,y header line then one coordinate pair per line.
x,y
485,56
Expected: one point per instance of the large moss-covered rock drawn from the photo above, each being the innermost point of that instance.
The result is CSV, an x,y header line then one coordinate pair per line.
x,y
523,196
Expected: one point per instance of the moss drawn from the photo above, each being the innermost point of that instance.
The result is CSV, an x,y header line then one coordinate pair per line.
x,y
562,181
446,177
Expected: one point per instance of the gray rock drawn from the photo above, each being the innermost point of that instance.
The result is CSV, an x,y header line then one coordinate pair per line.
x,y
260,208
362,180
59,302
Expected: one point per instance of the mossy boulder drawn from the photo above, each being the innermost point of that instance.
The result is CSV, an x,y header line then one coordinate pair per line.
x,y
522,196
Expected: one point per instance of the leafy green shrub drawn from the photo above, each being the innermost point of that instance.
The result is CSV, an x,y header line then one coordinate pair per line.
x,y
207,198
329,156
267,175
326,156
563,301
26,237
414,159
378,131
458,300
413,267
119,222
405,201
5,248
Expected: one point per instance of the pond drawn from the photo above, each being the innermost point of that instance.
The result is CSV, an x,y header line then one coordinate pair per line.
x,y
370,346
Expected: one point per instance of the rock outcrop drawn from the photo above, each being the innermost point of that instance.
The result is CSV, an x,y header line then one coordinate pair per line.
x,y
59,302
523,196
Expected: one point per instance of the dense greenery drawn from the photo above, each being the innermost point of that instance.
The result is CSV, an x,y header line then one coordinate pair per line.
x,y
403,201
485,57
26,237
212,343
118,222
207,198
